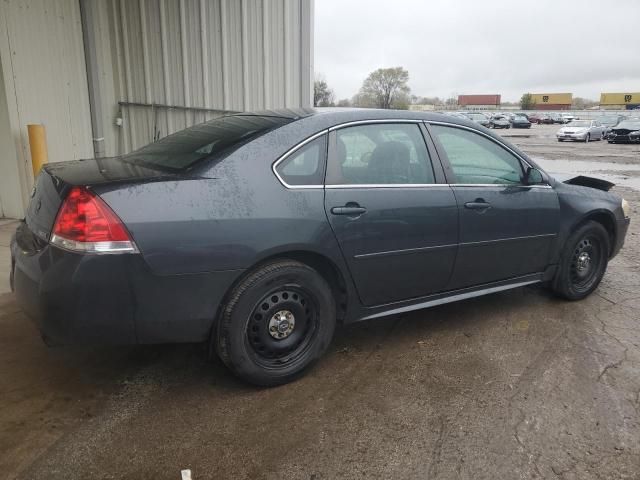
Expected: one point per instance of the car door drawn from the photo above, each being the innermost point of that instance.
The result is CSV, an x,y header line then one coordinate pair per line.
x,y
598,129
394,216
506,227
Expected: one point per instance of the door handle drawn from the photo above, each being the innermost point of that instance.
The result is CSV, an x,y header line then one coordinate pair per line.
x,y
479,204
350,209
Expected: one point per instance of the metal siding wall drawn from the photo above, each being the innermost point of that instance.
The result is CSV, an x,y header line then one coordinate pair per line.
x,y
45,81
219,54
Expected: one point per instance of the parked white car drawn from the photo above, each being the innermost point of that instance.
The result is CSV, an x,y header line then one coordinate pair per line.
x,y
582,131
568,117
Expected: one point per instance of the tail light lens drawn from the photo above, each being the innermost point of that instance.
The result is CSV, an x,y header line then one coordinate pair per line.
x,y
85,223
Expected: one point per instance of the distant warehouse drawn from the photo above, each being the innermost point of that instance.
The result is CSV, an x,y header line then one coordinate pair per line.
x,y
552,101
479,102
620,101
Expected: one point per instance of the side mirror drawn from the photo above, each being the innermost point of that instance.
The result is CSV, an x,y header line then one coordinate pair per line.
x,y
533,176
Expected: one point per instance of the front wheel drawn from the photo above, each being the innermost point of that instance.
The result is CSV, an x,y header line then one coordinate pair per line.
x,y
277,322
587,139
583,262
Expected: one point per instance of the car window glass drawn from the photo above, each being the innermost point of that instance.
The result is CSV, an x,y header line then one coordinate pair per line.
x,y
210,141
305,166
475,159
380,154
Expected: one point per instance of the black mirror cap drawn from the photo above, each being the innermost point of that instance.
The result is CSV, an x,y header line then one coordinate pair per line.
x,y
533,176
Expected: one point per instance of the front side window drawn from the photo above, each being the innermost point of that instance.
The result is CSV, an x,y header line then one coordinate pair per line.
x,y
475,159
380,154
305,166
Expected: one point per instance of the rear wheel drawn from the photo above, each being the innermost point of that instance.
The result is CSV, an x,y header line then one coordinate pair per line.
x,y
277,322
583,262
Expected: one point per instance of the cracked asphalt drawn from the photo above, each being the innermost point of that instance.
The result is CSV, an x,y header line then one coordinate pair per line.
x,y
515,385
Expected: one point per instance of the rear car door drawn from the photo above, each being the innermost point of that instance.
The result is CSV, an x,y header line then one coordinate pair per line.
x,y
506,227
393,215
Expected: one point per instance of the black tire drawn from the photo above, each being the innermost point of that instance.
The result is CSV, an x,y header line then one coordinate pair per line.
x,y
578,275
560,140
245,338
587,139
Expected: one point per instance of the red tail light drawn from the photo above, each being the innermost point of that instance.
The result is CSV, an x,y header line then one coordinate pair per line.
x,y
85,223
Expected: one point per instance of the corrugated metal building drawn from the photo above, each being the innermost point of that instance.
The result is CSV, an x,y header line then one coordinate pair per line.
x,y
108,76
552,101
483,102
619,101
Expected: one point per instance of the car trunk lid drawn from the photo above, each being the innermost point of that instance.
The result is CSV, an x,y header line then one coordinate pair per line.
x,y
55,180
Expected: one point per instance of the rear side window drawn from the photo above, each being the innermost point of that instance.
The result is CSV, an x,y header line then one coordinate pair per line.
x,y
210,140
380,154
475,159
305,166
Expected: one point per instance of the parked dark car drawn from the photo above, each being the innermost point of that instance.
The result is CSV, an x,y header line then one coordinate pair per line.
x,y
257,233
520,121
556,118
540,119
499,121
478,117
609,121
627,131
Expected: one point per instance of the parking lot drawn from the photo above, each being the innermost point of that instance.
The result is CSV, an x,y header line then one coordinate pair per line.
x,y
513,385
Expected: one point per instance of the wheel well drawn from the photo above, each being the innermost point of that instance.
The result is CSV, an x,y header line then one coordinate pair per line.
x,y
323,265
606,221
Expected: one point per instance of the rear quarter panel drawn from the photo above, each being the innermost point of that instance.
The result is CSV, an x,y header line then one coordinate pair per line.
x,y
234,216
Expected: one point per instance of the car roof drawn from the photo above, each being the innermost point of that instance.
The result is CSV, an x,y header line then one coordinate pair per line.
x,y
338,115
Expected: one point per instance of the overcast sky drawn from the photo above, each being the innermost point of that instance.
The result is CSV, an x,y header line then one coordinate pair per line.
x,y
482,46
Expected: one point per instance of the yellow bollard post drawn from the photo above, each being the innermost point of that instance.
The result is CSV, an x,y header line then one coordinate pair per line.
x,y
38,147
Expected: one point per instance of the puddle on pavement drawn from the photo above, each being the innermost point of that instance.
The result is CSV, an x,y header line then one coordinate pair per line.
x,y
604,170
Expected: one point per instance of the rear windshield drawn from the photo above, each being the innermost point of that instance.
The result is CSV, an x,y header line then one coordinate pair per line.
x,y
579,123
209,140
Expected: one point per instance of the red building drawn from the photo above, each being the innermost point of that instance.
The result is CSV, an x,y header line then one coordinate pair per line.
x,y
479,101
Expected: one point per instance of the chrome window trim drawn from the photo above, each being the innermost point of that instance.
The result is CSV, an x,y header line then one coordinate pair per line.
x,y
384,185
499,185
377,120
506,147
431,185
288,153
296,147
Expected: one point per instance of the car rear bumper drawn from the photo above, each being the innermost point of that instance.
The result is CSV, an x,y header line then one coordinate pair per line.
x,y
110,299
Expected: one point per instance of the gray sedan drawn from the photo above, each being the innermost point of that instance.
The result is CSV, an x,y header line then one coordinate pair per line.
x,y
581,130
258,233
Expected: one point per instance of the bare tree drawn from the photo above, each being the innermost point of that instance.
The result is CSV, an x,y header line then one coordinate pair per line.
x,y
385,88
323,96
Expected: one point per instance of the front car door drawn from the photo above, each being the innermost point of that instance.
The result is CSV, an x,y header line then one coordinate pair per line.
x,y
393,215
506,227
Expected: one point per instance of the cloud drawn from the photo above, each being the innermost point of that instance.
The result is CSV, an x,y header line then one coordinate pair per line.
x,y
495,46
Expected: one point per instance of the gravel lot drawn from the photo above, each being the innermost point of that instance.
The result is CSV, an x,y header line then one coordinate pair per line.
x,y
514,385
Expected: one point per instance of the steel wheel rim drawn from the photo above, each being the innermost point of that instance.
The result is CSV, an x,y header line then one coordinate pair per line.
x,y
585,263
284,346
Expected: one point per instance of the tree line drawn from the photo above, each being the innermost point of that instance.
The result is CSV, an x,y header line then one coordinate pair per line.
x,y
389,88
